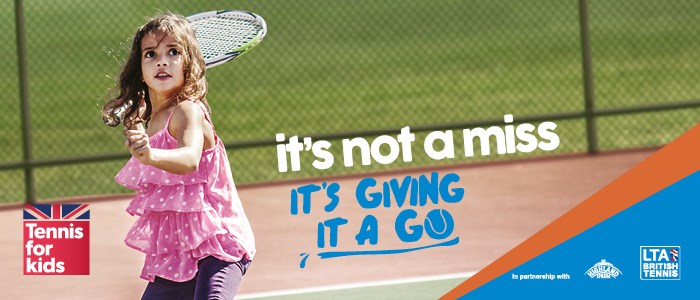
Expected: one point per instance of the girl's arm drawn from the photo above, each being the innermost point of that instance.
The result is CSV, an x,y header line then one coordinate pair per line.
x,y
186,123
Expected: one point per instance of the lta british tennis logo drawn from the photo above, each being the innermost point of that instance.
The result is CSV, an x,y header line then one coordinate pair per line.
x,y
660,262
56,239
603,270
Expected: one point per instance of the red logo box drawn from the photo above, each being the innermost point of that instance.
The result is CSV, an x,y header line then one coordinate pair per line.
x,y
56,239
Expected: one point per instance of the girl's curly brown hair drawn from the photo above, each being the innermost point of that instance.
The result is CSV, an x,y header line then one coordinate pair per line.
x,y
132,92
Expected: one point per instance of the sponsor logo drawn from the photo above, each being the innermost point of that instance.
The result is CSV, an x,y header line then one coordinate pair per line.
x,y
56,239
603,270
660,262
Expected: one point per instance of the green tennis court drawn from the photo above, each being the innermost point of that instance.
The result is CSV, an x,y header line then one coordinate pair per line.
x,y
420,289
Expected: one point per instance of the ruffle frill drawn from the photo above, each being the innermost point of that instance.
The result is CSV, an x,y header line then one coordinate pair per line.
x,y
179,221
173,243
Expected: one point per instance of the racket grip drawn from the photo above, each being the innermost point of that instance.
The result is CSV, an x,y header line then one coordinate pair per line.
x,y
139,127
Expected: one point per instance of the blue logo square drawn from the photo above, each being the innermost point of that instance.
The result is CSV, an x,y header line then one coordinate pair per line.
x,y
660,262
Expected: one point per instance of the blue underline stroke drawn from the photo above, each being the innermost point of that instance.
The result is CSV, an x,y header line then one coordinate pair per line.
x,y
333,254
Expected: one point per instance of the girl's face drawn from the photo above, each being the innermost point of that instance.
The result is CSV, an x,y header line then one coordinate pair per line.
x,y
161,65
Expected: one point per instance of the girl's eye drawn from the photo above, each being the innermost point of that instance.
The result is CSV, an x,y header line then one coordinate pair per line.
x,y
149,54
173,51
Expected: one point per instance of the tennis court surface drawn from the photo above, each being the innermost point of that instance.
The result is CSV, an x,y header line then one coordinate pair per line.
x,y
504,204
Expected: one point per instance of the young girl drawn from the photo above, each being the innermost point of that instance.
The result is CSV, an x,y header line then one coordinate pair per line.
x,y
191,226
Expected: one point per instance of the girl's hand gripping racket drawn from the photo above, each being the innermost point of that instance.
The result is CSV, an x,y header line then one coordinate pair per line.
x,y
222,36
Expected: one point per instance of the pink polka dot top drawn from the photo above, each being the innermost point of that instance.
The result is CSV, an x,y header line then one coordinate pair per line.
x,y
184,218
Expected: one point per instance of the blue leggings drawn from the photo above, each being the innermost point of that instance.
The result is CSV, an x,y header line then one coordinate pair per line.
x,y
216,279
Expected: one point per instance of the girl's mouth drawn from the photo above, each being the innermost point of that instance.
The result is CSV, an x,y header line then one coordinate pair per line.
x,y
162,75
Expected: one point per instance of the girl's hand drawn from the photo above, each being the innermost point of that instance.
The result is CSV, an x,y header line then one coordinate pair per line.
x,y
138,143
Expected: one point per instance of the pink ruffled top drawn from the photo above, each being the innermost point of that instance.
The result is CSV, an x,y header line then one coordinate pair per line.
x,y
184,218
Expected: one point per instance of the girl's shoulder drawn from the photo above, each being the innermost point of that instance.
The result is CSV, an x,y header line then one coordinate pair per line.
x,y
187,103
189,111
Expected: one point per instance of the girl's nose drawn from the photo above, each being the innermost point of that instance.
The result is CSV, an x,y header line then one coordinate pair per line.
x,y
162,63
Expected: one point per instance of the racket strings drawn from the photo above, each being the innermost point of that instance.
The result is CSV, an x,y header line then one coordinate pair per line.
x,y
220,35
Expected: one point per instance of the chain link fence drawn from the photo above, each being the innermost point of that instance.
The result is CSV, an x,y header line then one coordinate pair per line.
x,y
353,68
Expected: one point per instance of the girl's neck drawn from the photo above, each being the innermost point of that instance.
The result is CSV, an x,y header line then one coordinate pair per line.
x,y
158,103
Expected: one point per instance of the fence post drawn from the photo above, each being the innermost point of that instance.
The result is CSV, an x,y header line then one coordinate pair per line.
x,y
30,196
588,88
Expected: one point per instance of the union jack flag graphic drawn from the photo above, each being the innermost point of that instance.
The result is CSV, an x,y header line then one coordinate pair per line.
x,y
56,212
674,254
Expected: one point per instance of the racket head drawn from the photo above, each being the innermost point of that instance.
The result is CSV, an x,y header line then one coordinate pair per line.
x,y
226,34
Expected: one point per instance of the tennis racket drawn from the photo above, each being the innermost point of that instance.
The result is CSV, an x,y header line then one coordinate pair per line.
x,y
226,34
222,36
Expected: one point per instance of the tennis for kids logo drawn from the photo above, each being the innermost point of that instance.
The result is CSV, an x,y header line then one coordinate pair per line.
x,y
660,262
603,270
56,239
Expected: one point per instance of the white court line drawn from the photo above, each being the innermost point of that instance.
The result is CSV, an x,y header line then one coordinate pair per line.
x,y
326,288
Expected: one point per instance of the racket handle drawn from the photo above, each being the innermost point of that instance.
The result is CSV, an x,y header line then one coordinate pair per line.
x,y
139,127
